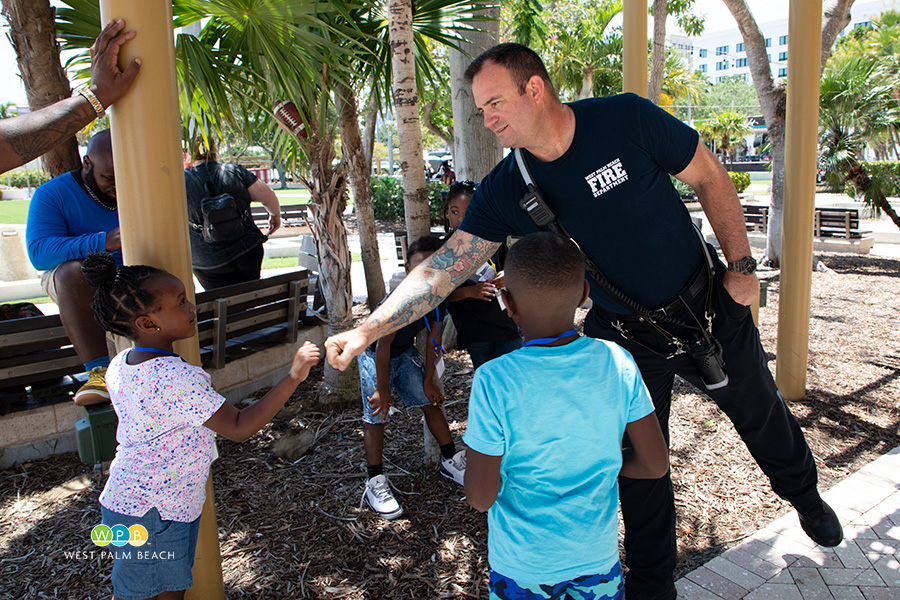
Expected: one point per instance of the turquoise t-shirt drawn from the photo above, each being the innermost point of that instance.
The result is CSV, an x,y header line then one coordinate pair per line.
x,y
557,416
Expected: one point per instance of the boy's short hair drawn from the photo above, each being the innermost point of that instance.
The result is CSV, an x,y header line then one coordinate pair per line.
x,y
522,62
546,261
427,243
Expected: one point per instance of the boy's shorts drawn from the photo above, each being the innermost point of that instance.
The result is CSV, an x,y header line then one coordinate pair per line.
x,y
162,564
407,376
608,586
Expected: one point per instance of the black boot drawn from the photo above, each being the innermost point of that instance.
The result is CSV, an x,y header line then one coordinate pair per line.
x,y
819,521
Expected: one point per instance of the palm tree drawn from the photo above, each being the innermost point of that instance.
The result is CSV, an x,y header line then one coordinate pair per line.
x,y
580,52
725,129
857,105
250,54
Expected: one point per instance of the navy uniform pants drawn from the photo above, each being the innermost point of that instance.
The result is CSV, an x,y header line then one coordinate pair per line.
x,y
752,402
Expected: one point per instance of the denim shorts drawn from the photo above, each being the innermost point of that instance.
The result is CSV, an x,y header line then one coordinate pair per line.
x,y
606,586
407,376
162,564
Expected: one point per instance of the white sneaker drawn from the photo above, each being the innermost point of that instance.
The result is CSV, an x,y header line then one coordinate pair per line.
x,y
455,468
380,499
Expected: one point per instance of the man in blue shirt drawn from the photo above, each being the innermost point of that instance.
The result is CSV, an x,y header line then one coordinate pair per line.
x,y
69,217
603,164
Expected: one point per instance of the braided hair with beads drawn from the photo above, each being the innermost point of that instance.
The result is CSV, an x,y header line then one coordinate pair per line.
x,y
122,293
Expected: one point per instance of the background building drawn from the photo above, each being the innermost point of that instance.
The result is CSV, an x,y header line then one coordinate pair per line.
x,y
719,54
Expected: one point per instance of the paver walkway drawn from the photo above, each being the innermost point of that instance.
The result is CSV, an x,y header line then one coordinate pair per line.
x,y
781,563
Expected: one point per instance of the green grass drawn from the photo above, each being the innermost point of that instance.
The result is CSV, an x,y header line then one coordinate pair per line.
x,y
13,212
291,261
38,300
293,196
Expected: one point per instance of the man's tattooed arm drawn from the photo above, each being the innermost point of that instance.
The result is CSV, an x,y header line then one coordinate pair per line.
x,y
26,137
431,282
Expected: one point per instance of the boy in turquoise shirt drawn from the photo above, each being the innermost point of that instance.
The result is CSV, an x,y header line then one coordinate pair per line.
x,y
545,439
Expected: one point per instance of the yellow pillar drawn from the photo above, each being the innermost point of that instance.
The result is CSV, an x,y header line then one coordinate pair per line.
x,y
146,137
802,120
634,42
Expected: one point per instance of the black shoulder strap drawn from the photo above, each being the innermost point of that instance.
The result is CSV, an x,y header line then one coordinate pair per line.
x,y
540,212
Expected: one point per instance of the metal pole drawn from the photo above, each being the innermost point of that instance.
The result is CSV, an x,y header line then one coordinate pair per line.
x,y
634,51
802,119
146,137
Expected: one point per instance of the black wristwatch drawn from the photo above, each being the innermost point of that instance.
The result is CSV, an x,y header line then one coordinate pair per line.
x,y
745,266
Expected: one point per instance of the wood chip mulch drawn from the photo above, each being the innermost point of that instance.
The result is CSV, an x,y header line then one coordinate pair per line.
x,y
295,529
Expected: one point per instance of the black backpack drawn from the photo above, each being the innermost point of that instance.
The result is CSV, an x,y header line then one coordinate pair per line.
x,y
223,216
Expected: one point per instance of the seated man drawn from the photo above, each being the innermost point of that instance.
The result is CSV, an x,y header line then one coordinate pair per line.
x,y
69,217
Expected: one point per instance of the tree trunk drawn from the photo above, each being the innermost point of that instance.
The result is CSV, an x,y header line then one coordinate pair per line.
x,y
836,16
328,188
658,51
360,179
772,99
409,126
32,32
446,137
475,148
858,176
587,84
371,118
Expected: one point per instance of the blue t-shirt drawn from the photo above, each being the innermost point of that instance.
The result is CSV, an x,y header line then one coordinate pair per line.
x,y
557,416
611,191
65,223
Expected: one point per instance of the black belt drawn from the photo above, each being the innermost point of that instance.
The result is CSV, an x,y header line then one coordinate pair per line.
x,y
697,286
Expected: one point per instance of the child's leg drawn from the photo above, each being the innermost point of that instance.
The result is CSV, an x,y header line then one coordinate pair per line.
x,y
373,437
437,424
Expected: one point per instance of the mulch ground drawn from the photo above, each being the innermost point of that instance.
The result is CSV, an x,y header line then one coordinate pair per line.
x,y
296,530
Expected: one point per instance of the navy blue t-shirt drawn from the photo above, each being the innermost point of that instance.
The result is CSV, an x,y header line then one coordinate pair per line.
x,y
406,336
611,191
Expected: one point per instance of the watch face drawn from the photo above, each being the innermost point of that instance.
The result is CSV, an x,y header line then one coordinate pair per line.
x,y
746,265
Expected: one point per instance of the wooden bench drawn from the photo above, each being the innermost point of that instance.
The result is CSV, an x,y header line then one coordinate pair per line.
x,y
38,364
234,320
756,217
838,222
829,222
292,215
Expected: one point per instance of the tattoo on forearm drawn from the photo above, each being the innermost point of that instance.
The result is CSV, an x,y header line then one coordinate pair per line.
x,y
32,135
431,282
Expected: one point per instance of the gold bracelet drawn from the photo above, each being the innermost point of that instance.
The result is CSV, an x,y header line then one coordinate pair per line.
x,y
88,95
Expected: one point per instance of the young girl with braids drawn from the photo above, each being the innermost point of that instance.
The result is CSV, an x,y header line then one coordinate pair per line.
x,y
168,413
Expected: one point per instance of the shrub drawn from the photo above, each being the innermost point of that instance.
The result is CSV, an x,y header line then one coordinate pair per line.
x,y
387,199
740,179
684,190
21,178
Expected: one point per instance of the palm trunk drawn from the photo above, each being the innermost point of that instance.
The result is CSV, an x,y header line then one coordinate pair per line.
x,y
772,99
857,175
32,31
328,188
406,109
475,148
370,117
360,179
658,51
